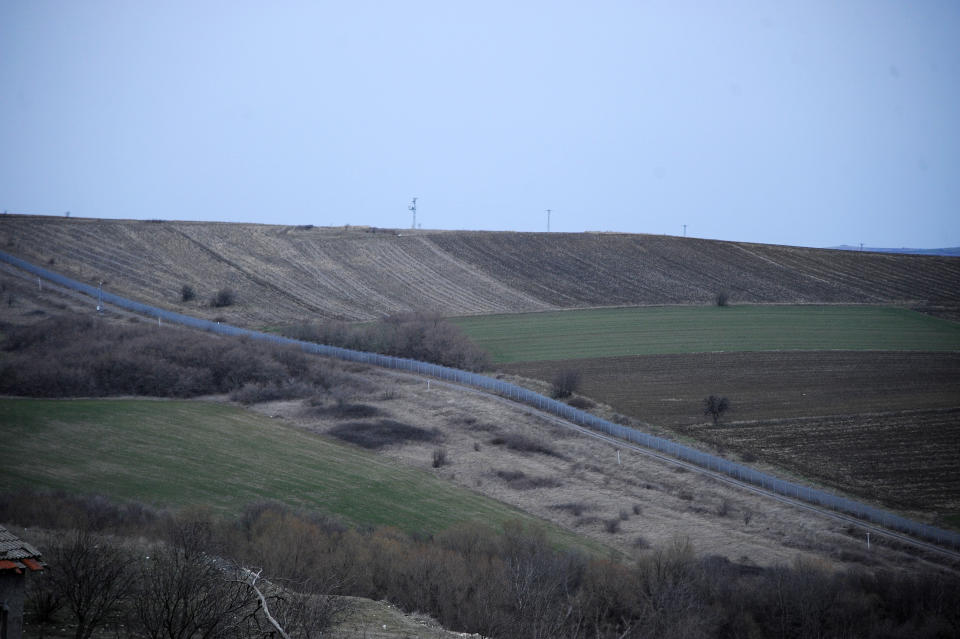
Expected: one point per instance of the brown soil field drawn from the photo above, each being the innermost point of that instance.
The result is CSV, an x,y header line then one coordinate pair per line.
x,y
285,274
883,426
608,269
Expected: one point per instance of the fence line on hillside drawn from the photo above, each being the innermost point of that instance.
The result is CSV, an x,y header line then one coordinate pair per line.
x,y
512,391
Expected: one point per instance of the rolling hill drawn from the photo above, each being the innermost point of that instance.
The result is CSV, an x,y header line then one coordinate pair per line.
x,y
284,274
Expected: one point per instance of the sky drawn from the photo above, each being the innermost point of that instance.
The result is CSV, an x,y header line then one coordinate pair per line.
x,y
803,122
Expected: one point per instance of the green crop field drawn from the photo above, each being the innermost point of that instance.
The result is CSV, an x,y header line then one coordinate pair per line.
x,y
614,332
186,453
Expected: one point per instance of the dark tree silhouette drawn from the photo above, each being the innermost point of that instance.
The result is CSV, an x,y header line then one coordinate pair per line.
x,y
565,383
715,406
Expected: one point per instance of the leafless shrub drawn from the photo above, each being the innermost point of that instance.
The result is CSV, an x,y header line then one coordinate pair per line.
x,y
612,525
722,298
187,293
587,521
439,457
581,402
223,297
723,508
637,509
385,432
686,495
42,601
476,446
523,444
639,542
747,516
309,611
565,382
519,480
748,457
574,508
624,514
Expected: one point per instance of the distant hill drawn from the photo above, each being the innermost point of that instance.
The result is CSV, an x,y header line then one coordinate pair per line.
x,y
283,274
954,251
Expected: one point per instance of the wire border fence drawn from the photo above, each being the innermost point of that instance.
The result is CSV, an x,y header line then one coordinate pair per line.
x,y
704,460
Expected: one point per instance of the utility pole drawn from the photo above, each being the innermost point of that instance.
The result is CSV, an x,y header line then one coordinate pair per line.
x,y
548,220
413,207
684,230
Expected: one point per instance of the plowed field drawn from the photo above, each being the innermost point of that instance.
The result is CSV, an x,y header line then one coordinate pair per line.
x,y
600,269
284,274
881,425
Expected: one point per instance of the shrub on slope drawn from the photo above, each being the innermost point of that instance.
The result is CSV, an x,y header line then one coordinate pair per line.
x,y
418,336
80,356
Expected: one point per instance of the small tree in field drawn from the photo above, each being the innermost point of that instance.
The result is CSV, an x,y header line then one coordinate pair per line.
x,y
565,383
715,406
723,298
223,297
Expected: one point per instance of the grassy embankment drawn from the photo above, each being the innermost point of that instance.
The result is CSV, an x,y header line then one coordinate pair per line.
x,y
566,335
180,453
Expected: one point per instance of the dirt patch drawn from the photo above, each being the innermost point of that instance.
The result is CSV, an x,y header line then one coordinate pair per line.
x,y
382,433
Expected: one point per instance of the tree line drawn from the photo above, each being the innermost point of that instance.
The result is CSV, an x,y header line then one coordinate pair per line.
x,y
200,575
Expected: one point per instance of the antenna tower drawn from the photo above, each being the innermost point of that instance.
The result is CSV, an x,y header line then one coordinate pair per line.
x,y
413,207
548,220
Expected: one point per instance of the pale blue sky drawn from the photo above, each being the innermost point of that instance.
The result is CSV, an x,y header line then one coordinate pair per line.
x,y
791,121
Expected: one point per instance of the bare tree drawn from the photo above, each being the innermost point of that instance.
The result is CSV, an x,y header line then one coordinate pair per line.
x,y
304,613
91,577
565,383
187,596
715,406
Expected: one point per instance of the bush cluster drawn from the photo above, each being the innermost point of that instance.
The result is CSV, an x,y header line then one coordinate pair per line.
x,y
419,336
223,297
524,444
73,356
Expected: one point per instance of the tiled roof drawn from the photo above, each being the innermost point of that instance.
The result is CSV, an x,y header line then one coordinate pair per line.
x,y
16,554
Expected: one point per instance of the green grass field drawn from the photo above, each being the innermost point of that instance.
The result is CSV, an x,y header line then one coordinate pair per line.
x,y
696,329
179,453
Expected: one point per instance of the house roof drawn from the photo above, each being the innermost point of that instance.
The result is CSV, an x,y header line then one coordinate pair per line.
x,y
17,555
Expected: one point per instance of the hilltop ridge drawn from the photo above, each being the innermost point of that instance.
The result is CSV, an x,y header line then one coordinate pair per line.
x,y
290,273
